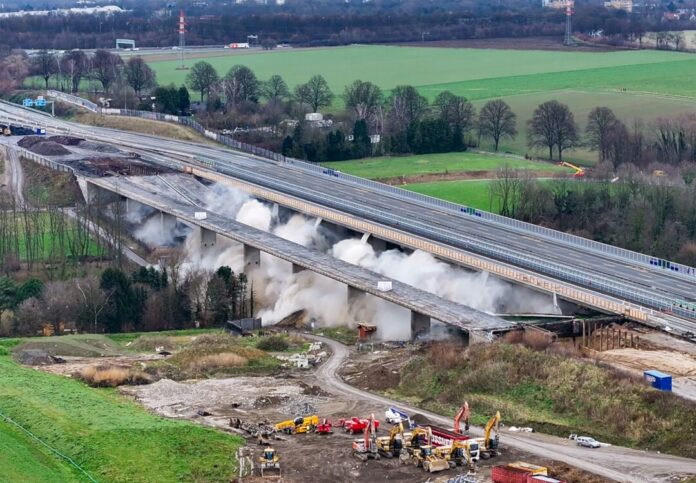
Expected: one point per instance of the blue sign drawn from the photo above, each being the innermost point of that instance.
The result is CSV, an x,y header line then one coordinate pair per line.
x,y
27,103
40,102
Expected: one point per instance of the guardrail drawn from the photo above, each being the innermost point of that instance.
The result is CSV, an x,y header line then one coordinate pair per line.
x,y
683,271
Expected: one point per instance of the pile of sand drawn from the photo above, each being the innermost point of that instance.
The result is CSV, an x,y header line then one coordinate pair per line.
x,y
673,363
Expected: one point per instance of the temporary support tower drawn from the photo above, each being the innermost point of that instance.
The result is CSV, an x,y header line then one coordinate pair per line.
x,y
182,40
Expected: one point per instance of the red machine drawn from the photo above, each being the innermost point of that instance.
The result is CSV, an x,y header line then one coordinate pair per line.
x,y
325,427
356,425
462,414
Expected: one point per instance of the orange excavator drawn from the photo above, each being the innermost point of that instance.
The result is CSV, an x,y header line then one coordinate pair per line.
x,y
462,414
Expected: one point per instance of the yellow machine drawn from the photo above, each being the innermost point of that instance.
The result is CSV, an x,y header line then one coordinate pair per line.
x,y
489,446
298,425
392,446
426,458
460,453
269,461
533,469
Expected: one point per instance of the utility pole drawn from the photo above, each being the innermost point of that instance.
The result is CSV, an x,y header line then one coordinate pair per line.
x,y
568,40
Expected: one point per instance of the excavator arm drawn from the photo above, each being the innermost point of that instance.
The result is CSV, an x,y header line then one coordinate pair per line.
x,y
462,414
492,424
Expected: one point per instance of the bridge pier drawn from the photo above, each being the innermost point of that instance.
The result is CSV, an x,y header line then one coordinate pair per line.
x,y
208,239
167,221
377,244
354,294
95,194
252,257
420,324
297,268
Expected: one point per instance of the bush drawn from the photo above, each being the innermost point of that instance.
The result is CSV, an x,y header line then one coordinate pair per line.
x,y
218,361
111,376
273,343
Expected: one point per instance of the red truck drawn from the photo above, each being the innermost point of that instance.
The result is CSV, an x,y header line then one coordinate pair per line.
x,y
356,425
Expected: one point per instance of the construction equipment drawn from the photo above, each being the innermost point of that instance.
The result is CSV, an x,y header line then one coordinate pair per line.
x,y
396,416
392,446
462,414
269,460
366,448
489,446
298,425
325,427
429,460
579,172
461,453
357,425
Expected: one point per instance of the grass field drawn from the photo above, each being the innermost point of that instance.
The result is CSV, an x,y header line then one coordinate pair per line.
x,y
472,193
111,437
440,163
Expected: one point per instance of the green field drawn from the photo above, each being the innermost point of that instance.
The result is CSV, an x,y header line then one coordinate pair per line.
x,y
646,84
111,437
441,163
467,192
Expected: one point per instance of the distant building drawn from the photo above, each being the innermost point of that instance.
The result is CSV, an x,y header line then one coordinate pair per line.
x,y
554,3
626,5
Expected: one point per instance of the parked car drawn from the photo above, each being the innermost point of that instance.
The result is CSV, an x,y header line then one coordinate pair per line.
x,y
587,442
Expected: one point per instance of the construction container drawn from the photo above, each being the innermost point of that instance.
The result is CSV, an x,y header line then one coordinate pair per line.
x,y
509,474
530,468
659,380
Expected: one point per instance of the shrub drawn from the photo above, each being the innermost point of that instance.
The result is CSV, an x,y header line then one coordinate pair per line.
x,y
104,376
273,343
218,361
447,355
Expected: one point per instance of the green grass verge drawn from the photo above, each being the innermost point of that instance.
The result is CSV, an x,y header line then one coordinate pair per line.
x,y
472,193
111,437
440,163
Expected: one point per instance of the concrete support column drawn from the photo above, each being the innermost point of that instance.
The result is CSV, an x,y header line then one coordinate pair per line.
x,y
378,245
420,324
96,195
297,268
354,294
168,222
252,257
208,239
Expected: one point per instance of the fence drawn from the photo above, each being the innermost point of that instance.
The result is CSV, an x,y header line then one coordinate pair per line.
x,y
463,211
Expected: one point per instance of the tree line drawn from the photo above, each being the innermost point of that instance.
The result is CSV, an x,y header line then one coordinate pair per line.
x,y
116,301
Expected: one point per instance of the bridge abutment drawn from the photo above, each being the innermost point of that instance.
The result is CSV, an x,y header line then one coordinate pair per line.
x,y
208,239
167,221
252,257
420,324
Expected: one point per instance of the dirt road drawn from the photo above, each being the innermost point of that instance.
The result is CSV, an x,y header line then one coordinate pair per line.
x,y
616,463
14,176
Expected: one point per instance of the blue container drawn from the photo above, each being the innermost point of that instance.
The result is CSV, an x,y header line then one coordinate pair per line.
x,y
659,380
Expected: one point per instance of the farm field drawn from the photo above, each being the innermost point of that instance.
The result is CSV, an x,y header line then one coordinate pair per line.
x,y
472,193
386,167
111,437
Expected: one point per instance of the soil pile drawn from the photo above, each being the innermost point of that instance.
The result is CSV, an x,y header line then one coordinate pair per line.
x,y
48,148
66,140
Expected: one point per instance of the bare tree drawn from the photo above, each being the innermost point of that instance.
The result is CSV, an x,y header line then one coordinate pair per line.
x,y
74,66
506,189
202,77
363,98
600,123
315,93
45,64
553,125
275,88
13,70
60,304
139,75
406,106
497,121
106,67
456,111
94,300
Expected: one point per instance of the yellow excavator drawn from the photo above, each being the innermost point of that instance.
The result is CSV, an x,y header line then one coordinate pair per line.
x,y
392,446
460,453
489,446
269,460
423,455
298,425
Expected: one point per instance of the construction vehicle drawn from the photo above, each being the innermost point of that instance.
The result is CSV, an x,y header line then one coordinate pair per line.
x,y
579,172
357,425
460,453
420,449
325,427
366,448
298,425
269,460
392,446
489,446
462,414
396,416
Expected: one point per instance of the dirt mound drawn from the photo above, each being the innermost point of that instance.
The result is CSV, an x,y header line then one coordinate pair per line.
x,y
674,363
295,320
376,378
49,148
36,357
121,166
100,148
66,140
28,141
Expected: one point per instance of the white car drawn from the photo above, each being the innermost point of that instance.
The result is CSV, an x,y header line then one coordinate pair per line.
x,y
587,442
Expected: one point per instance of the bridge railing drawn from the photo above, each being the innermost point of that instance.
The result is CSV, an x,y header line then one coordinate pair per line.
x,y
468,212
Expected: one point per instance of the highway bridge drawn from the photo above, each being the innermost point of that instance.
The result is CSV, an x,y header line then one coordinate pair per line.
x,y
653,292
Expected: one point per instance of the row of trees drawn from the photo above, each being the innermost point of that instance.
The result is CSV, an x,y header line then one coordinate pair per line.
x,y
145,300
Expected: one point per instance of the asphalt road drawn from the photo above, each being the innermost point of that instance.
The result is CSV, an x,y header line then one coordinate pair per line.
x,y
634,280
614,462
14,176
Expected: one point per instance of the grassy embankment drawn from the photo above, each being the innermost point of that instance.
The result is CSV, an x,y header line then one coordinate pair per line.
x,y
111,437
551,393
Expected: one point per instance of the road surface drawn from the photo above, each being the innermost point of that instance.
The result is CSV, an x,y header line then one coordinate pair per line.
x,y
614,462
14,176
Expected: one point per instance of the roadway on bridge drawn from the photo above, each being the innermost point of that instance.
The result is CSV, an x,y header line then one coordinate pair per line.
x,y
411,215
